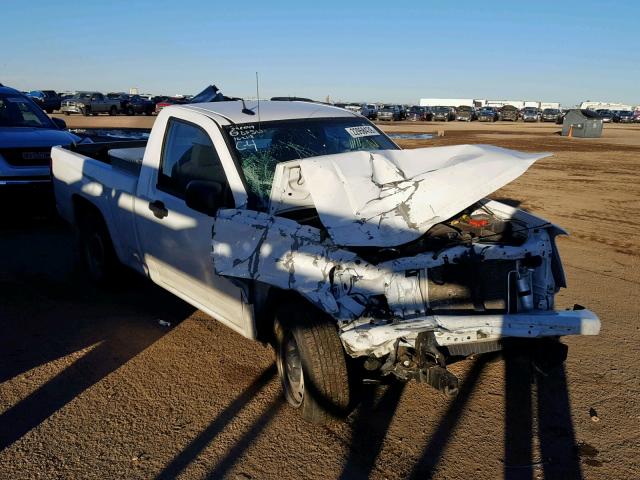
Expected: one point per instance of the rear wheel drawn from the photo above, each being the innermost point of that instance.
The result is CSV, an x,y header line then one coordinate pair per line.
x,y
130,111
113,111
97,251
311,363
86,111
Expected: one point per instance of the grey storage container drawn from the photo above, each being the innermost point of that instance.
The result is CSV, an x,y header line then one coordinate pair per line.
x,y
582,123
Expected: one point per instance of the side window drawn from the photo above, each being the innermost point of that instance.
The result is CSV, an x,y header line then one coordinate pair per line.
x,y
188,154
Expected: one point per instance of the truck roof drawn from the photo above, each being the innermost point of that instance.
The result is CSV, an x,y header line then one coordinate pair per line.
x,y
269,110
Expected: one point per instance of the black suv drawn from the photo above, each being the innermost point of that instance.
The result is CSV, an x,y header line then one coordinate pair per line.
x,y
48,100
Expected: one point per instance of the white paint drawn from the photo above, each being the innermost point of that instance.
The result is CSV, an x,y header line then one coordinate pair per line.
x,y
392,197
378,340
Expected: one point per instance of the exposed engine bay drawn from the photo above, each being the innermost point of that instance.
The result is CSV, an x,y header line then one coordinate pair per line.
x,y
372,240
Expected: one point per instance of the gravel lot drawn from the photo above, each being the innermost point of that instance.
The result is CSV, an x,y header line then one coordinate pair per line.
x,y
92,386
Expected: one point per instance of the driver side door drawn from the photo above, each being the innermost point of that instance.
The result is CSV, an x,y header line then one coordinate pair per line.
x,y
176,239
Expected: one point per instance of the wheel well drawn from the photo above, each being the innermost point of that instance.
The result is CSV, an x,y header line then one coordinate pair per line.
x,y
83,210
267,306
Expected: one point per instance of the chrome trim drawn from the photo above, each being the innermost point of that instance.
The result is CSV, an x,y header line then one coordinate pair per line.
x,y
24,182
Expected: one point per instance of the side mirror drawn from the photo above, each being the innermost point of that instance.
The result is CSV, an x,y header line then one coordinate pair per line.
x,y
205,197
60,123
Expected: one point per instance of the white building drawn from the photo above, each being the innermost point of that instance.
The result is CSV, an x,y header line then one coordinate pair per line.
x,y
604,105
479,103
519,104
446,102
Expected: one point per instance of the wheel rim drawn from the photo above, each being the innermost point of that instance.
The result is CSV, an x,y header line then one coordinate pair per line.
x,y
290,369
94,251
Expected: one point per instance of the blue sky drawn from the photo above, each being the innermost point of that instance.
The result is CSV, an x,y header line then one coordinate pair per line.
x,y
398,51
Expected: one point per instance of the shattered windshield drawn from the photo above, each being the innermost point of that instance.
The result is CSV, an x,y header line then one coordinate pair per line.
x,y
260,146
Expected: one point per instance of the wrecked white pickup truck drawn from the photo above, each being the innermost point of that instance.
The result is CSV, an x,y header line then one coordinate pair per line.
x,y
303,224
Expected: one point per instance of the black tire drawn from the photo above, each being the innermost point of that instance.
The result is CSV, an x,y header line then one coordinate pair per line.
x,y
322,364
86,111
131,111
113,111
98,255
49,111
67,113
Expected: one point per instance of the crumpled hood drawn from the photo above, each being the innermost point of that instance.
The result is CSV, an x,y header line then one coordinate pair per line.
x,y
391,197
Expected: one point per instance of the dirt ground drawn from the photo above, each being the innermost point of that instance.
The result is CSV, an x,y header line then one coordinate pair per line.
x,y
92,386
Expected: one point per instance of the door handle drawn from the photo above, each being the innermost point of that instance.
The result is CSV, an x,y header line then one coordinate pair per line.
x,y
158,209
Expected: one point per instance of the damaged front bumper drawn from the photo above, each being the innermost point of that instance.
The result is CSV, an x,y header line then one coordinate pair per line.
x,y
466,334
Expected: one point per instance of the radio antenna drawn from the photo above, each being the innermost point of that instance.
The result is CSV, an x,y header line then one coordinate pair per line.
x,y
258,97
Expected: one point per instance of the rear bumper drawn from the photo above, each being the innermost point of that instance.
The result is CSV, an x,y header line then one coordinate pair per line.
x,y
380,339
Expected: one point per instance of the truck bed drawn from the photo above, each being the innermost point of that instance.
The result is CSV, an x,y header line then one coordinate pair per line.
x,y
106,174
100,151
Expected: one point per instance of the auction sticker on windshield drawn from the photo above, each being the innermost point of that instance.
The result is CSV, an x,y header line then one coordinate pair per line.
x,y
362,131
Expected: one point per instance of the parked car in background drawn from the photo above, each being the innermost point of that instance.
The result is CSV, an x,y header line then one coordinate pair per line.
x,y
443,114
636,116
605,114
47,100
354,107
90,103
26,137
550,115
139,105
465,113
370,111
390,113
509,113
623,116
121,97
530,114
488,114
417,114
133,104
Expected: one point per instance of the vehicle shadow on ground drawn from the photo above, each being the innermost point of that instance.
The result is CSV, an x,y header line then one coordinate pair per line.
x,y
48,311
369,428
533,398
537,404
191,451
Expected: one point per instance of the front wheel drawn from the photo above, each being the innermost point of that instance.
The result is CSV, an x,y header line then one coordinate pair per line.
x,y
311,363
